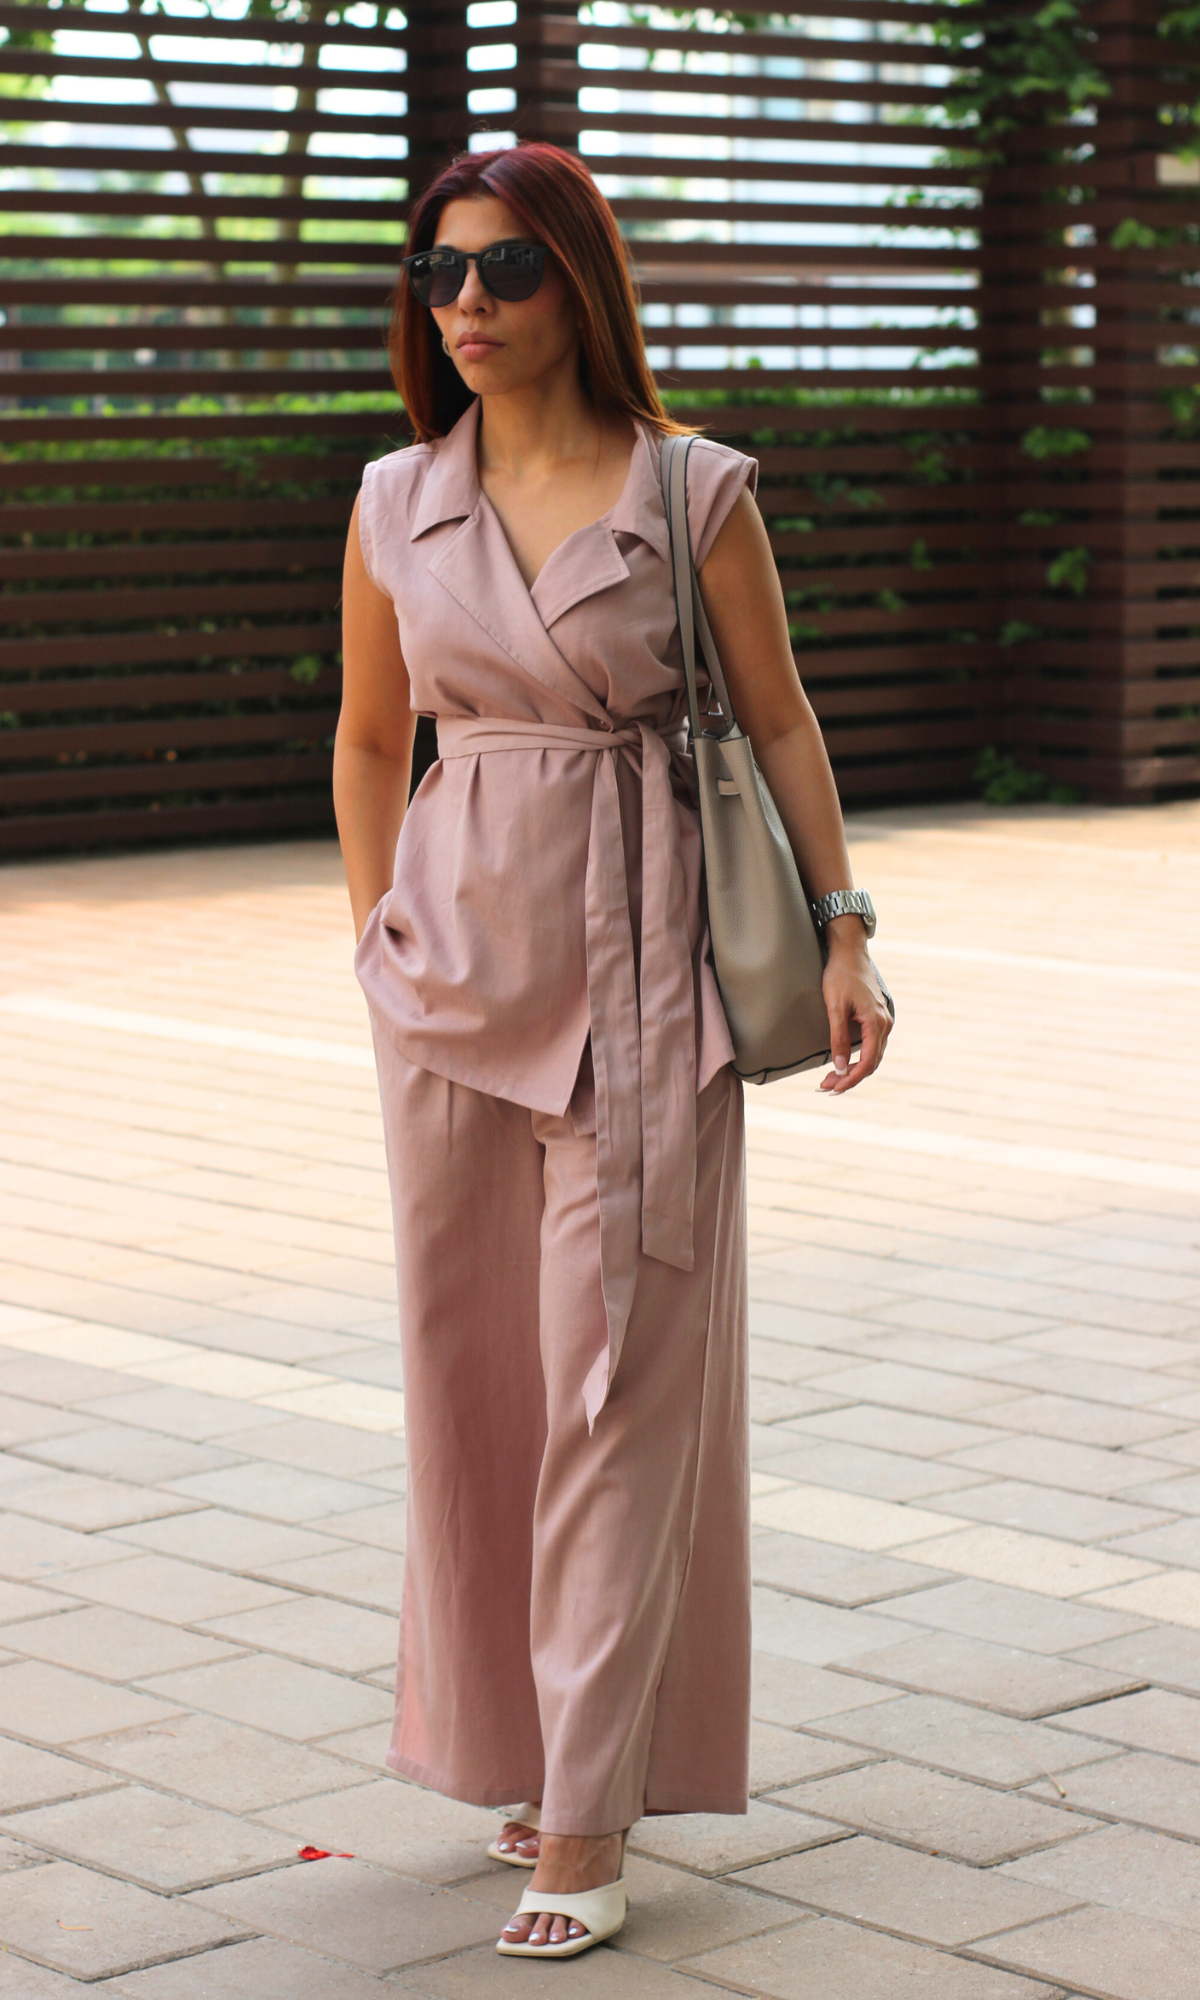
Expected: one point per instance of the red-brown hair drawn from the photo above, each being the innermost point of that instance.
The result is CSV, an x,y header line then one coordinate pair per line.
x,y
555,198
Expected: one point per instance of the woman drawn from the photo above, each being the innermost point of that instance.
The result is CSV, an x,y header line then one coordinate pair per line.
x,y
564,1132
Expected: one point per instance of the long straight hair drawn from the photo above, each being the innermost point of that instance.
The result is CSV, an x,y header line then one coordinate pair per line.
x,y
556,200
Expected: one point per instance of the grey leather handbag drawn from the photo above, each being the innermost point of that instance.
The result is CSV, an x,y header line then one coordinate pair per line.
x,y
766,950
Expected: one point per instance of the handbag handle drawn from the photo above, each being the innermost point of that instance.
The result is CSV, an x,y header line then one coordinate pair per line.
x,y
692,618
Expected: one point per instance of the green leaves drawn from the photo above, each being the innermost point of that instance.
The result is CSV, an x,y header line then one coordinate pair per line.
x,y
1069,571
1044,54
1043,442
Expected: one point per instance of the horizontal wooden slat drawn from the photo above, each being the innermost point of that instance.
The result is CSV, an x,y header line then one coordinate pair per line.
x,y
209,774
156,559
164,736
20,18
34,832
125,649
104,157
71,607
135,693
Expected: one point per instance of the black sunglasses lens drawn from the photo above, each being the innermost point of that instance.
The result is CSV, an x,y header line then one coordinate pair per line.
x,y
512,271
437,277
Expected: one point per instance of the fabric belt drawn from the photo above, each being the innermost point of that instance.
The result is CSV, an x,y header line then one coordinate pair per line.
x,y
643,1020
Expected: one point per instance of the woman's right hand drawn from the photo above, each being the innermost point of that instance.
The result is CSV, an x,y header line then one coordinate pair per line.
x,y
372,752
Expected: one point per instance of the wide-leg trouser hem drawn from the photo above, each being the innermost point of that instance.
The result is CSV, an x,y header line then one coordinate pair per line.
x,y
489,1799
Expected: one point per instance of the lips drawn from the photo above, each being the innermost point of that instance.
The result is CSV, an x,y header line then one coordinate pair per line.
x,y
478,341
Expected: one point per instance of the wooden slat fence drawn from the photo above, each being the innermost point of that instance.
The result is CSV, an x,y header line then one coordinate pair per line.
x,y
987,526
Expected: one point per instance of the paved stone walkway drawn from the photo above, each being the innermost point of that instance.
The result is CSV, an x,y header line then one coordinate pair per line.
x,y
977,1431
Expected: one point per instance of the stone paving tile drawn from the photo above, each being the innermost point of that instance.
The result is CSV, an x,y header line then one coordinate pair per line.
x,y
969,1742
121,1451
941,1815
25,1600
1051,1510
181,1413
260,1969
218,1763
77,1921
840,1962
857,1468
1176,1542
786,1756
1116,1955
345,1909
998,1677
40,1378
228,1541
1151,1720
1173,1596
31,1777
1167,1655
39,1550
113,1645
277,1493
1179,1493
157,1842
772,1402
1075,1420
1159,1792
74,1500
714,1843
1028,1562
23,1422
918,1896
317,1630
270,1693
913,1432
924,1391
313,1444
999,1612
367,1575
177,1590
1122,1868
602,1974
362,1746
818,1634
1081,1468
51,1705
396,1824
26,1981
832,1575
790,1693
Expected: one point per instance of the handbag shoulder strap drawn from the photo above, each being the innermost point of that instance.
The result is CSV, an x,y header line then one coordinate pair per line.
x,y
692,618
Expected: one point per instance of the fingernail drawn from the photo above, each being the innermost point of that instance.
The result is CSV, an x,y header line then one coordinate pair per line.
x,y
841,1065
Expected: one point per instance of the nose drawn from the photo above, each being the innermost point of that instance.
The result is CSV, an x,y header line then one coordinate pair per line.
x,y
474,296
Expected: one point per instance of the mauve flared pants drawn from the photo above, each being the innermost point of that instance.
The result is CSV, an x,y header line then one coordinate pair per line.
x,y
575,1622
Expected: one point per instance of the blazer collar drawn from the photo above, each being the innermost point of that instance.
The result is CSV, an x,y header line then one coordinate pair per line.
x,y
451,489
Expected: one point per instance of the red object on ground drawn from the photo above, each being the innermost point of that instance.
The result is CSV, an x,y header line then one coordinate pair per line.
x,y
321,1854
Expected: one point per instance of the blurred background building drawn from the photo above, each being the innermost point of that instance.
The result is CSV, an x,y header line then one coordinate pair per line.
x,y
935,264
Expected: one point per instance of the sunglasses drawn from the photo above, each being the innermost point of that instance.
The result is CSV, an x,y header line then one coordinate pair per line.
x,y
508,271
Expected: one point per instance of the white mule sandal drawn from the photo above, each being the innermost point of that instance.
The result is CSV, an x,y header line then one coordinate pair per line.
x,y
600,1911
526,1815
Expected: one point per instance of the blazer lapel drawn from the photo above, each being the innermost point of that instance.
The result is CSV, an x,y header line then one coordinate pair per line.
x,y
478,568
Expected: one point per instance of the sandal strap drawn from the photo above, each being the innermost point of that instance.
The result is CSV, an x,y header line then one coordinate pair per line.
x,y
598,1910
525,1815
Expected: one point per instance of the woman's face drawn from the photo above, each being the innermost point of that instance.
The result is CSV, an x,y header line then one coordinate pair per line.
x,y
498,344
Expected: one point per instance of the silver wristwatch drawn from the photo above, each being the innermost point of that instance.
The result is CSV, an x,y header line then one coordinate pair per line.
x,y
844,903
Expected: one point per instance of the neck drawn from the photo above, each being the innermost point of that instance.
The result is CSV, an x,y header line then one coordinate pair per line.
x,y
540,424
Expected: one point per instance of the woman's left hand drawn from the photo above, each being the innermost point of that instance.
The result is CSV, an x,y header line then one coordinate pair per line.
x,y
852,993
